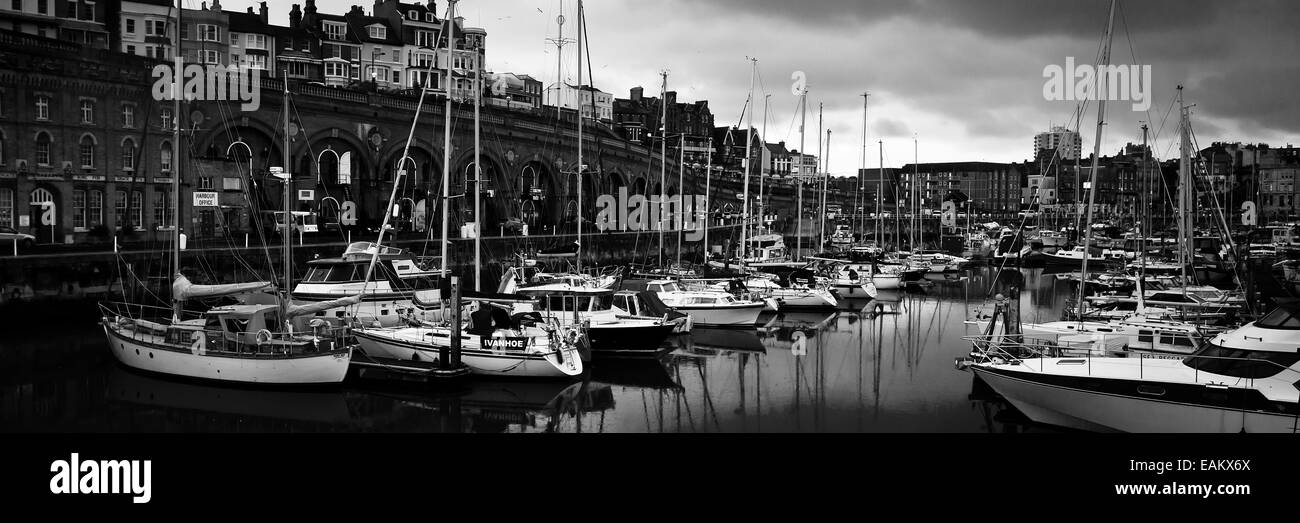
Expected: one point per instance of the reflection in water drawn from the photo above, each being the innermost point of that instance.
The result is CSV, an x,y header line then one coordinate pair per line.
x,y
874,365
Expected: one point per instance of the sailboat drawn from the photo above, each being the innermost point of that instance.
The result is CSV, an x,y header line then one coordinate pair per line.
x,y
496,341
255,341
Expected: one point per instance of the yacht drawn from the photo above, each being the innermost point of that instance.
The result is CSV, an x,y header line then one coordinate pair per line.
x,y
707,307
612,331
1238,381
385,300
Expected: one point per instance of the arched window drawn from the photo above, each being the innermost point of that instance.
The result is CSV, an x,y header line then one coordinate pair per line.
x,y
128,155
39,196
328,164
165,157
345,168
88,152
87,111
43,149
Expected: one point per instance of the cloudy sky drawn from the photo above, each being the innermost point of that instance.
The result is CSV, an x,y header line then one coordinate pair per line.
x,y
964,77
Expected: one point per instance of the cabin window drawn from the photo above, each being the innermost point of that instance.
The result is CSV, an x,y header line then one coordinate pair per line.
x,y
1145,336
236,324
1279,319
1240,363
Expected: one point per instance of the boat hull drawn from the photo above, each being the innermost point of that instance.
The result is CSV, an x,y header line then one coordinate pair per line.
x,y
148,353
486,362
1116,405
615,341
731,316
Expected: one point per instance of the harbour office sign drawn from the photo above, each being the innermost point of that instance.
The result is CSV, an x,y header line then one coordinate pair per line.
x,y
209,82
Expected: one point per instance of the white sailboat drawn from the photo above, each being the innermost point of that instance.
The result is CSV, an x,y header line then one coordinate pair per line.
x,y
264,343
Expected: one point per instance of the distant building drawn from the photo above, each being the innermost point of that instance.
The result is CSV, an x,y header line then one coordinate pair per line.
x,y
79,22
511,90
253,40
144,28
1065,142
991,188
595,104
776,160
639,115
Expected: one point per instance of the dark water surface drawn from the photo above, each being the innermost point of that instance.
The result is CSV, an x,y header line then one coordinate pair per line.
x,y
882,366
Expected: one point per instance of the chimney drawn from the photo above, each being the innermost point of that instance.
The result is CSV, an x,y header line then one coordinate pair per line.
x,y
203,6
295,17
310,11
261,11
216,5
250,9
356,9
637,93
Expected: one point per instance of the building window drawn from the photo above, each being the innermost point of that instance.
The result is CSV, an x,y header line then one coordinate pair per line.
x,y
165,115
137,209
209,33
255,41
428,17
2,149
297,69
119,209
43,7
87,152
96,208
128,155
162,208
128,116
43,149
345,168
79,209
130,26
378,33
235,39
336,69
397,77
412,14
424,38
165,158
87,111
335,31
211,57
256,61
6,207
42,107
130,49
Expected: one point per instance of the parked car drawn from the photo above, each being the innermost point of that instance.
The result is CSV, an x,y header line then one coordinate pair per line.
x,y
8,235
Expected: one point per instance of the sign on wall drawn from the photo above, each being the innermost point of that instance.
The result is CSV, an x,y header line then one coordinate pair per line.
x,y
306,195
205,199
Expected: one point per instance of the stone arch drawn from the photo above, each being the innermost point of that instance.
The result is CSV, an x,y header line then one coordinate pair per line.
x,y
539,195
639,186
495,177
264,142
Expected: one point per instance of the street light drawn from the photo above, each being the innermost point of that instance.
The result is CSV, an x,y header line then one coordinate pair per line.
x,y
374,53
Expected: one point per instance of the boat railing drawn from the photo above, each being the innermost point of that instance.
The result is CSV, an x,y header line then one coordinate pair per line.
x,y
1022,350
142,323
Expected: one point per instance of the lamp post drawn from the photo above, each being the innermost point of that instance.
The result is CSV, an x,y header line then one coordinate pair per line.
x,y
375,53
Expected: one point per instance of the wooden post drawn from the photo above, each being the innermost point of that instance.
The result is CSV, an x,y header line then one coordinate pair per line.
x,y
450,359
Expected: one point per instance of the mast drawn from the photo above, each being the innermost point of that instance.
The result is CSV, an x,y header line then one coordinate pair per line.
x,y
578,253
681,198
820,157
917,221
803,119
1184,191
1096,156
663,160
708,176
862,178
446,132
749,143
478,176
763,166
176,176
288,218
825,176
1142,240
880,220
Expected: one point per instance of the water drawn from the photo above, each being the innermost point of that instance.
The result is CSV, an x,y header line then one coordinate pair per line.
x,y
882,366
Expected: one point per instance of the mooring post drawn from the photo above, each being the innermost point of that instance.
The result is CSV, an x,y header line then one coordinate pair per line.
x,y
450,359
